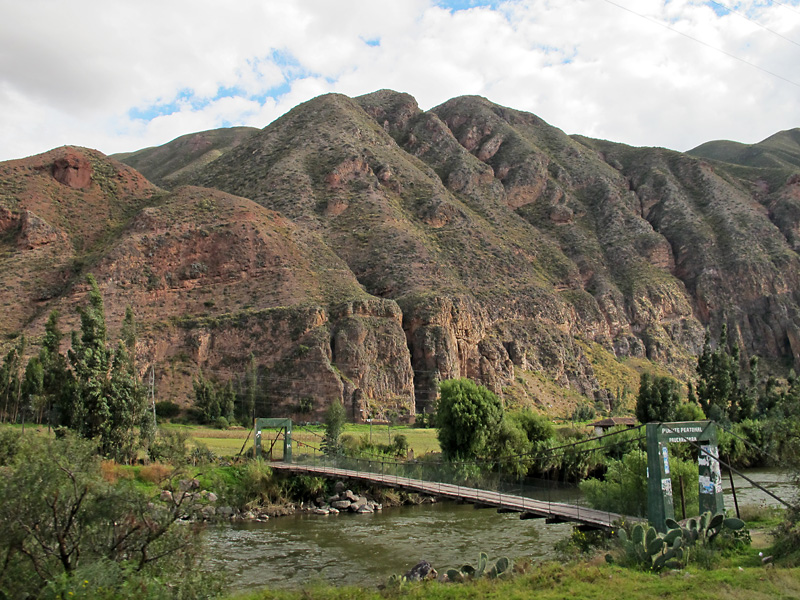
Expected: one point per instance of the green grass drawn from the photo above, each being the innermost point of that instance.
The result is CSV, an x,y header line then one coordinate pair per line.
x,y
582,581
228,442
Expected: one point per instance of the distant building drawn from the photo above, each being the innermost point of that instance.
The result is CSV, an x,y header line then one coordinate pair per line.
x,y
600,427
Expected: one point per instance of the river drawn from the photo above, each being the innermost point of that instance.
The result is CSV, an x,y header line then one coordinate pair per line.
x,y
367,549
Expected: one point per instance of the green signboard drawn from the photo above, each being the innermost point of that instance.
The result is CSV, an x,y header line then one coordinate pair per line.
x,y
285,424
659,484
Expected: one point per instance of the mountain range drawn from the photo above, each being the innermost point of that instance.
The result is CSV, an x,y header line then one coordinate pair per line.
x,y
362,250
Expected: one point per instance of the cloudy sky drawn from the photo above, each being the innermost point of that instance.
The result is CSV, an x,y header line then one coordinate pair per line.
x,y
123,75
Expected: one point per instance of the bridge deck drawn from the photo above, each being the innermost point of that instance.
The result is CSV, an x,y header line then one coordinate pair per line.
x,y
551,510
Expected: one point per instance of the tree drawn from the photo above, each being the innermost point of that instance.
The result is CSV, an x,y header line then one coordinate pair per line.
x,y
206,398
658,398
88,409
58,382
227,403
719,391
624,487
107,402
32,388
467,416
64,527
11,376
334,422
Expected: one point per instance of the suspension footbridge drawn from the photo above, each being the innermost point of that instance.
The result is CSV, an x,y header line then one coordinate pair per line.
x,y
473,482
527,507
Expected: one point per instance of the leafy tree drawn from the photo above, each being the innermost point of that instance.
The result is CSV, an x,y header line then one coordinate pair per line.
x,y
719,391
205,399
32,387
537,428
228,403
11,377
106,401
511,448
467,417
58,382
624,488
334,422
658,398
68,530
130,422
88,409
584,412
128,333
689,411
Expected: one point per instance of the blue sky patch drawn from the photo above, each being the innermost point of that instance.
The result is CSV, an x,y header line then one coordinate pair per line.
x,y
456,5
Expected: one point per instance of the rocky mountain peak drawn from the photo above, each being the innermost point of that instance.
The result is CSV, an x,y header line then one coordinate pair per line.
x,y
363,249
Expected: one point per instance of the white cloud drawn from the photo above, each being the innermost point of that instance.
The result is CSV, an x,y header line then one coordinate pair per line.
x,y
87,72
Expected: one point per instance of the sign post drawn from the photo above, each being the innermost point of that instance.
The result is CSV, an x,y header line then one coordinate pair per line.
x,y
659,485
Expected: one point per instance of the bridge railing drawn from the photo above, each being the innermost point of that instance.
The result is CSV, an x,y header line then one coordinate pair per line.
x,y
444,474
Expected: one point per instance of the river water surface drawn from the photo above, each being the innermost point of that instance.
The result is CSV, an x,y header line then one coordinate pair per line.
x,y
367,549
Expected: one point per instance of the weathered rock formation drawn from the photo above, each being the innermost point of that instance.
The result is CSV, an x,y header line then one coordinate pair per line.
x,y
363,250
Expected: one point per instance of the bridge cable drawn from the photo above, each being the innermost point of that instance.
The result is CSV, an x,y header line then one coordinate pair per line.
x,y
749,443
729,467
744,16
706,44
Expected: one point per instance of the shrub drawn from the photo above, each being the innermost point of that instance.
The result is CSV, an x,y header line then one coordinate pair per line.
x,y
9,445
169,446
221,423
467,415
584,412
400,445
66,531
201,455
624,487
112,472
155,473
256,485
167,409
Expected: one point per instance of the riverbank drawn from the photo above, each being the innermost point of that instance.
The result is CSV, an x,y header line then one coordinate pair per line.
x,y
585,581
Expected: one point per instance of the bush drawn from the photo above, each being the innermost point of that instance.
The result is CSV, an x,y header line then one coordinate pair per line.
x,y
537,427
584,412
9,445
169,446
624,487
167,410
689,411
467,416
253,485
400,445
67,532
201,455
155,473
221,423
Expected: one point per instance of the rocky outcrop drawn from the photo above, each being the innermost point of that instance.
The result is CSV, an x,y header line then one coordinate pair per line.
x,y
362,250
73,171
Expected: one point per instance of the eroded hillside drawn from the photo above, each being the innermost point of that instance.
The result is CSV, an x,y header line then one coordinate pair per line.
x,y
364,249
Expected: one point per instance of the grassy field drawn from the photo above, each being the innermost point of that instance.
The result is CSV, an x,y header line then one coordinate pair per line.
x,y
228,442
585,581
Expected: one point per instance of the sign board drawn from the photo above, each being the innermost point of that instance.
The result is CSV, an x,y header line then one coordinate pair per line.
x,y
659,484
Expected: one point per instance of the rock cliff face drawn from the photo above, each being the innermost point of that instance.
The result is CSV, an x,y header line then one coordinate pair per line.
x,y
364,250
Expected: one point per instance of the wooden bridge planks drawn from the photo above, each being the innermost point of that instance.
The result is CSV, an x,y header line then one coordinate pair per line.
x,y
551,510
